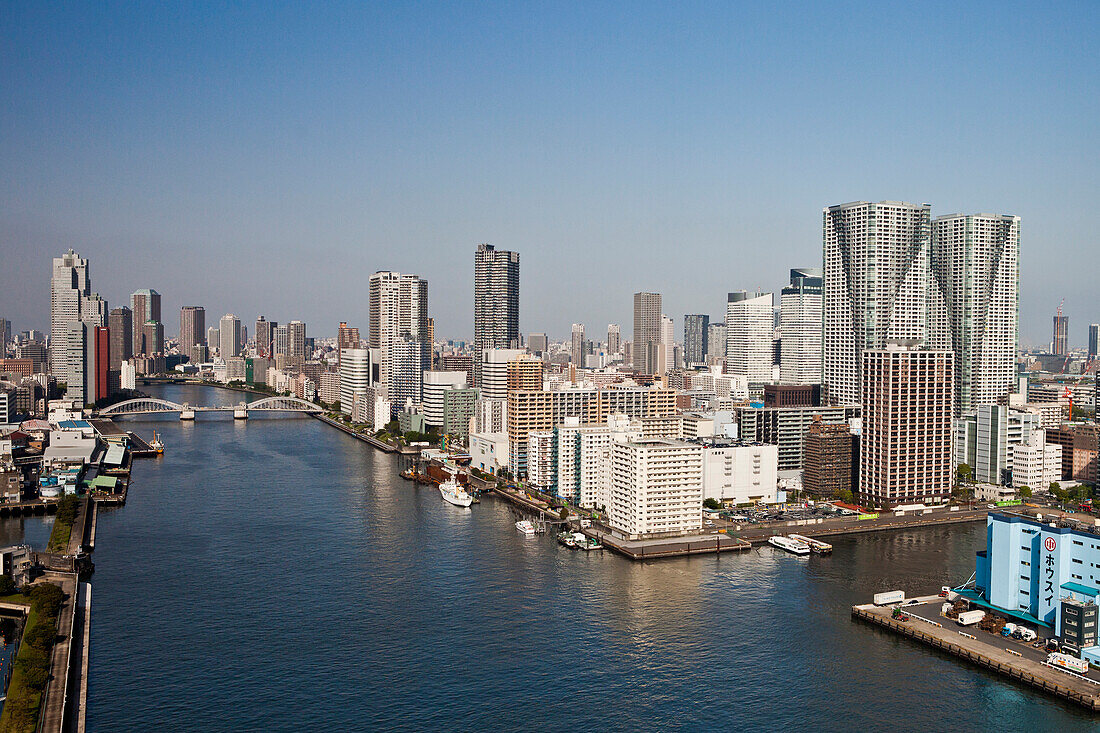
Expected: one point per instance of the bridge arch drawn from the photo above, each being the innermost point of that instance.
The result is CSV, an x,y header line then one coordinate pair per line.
x,y
140,405
289,404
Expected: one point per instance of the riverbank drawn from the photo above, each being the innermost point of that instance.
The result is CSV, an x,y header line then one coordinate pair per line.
x,y
369,439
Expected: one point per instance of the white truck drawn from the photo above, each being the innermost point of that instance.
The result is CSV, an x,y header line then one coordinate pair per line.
x,y
969,618
891,596
1065,661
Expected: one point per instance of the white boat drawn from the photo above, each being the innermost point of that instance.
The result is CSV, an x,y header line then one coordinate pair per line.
x,y
454,493
525,526
157,444
786,543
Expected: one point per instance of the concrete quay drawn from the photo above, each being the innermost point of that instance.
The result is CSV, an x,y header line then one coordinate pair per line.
x,y
758,534
380,445
655,549
1011,659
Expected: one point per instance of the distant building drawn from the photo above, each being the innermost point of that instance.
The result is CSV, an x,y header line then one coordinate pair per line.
x,y
145,305
800,319
1059,345
647,332
614,339
1094,338
152,338
496,299
1036,463
749,327
265,335
577,351
399,311
984,439
192,327
229,336
120,322
355,376
696,328
296,340
537,343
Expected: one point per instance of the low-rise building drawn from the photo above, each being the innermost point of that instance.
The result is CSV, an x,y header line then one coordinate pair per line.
x,y
739,473
1037,463
488,452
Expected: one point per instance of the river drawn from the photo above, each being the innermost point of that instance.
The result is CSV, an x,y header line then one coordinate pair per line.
x,y
277,575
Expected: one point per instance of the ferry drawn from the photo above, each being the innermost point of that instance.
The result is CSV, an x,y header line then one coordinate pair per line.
x,y
525,526
157,444
821,548
788,544
455,494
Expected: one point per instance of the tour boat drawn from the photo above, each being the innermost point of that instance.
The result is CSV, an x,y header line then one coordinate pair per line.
x,y
455,494
786,543
525,526
157,444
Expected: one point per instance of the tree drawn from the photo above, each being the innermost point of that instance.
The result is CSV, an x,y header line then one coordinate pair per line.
x,y
1025,492
564,513
7,585
964,473
712,504
845,496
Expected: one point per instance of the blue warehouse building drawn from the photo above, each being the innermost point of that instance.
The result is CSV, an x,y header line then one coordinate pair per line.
x,y
1044,573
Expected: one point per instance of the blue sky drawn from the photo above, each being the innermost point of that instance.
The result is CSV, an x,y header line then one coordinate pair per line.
x,y
266,158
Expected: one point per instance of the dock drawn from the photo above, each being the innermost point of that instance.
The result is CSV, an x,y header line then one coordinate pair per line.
x,y
655,549
1015,660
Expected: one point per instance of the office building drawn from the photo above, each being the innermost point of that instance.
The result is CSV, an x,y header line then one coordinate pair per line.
x,y
120,323
875,285
347,337
975,270
102,387
496,299
1036,463
1044,572
229,335
152,338
656,488
495,381
668,341
647,332
398,310
984,438
577,346
537,343
355,376
1094,337
905,448
459,406
280,340
145,305
800,322
296,340
614,339
786,427
739,473
696,331
749,326
192,327
265,337
716,343
70,287
1059,345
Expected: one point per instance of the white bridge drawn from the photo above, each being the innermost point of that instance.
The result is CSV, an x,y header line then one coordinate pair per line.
x,y
152,406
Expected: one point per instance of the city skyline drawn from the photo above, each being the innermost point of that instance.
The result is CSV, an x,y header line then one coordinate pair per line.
x,y
714,156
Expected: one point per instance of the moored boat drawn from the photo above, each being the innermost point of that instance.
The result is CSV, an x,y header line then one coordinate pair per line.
x,y
157,444
455,494
525,526
790,545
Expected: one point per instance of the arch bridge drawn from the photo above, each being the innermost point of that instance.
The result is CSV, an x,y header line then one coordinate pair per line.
x,y
153,405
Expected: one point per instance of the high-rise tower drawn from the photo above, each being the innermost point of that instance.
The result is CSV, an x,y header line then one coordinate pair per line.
x,y
192,327
974,303
875,285
398,309
647,332
145,305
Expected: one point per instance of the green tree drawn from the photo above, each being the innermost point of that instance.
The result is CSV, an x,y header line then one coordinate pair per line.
x,y
42,635
964,473
845,496
1025,492
712,504
7,585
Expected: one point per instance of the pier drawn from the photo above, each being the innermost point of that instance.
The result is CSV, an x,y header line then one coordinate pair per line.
x,y
1021,663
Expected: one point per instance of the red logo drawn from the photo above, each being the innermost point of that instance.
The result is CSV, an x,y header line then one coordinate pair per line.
x,y
1050,544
